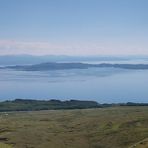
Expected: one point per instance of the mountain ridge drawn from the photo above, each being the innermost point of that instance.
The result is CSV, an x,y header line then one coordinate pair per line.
x,y
65,66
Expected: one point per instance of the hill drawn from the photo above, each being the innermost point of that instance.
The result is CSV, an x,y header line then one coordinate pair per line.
x,y
66,66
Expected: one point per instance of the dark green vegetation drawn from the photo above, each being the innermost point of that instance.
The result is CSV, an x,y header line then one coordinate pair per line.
x,y
66,66
113,127
30,105
35,105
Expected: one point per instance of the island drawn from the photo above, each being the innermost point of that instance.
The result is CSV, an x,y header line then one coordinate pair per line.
x,y
66,66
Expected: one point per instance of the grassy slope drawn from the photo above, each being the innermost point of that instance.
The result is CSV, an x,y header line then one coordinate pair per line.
x,y
141,144
117,127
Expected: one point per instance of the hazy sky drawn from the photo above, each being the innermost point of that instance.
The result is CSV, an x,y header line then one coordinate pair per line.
x,y
74,27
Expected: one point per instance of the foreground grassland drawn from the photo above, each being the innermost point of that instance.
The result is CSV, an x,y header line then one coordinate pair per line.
x,y
115,127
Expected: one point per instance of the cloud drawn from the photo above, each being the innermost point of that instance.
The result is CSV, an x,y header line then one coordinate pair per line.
x,y
89,48
23,47
42,48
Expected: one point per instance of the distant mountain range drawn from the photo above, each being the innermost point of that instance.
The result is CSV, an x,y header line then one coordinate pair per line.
x,y
30,59
66,66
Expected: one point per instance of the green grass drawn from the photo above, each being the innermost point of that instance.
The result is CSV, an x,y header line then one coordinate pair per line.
x,y
2,145
116,127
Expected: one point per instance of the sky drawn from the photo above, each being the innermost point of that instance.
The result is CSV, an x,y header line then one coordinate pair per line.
x,y
74,27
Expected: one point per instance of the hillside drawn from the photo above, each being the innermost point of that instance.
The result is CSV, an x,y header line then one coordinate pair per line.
x,y
115,127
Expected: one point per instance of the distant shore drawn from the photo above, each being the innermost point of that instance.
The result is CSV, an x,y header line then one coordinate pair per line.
x,y
66,66
34,105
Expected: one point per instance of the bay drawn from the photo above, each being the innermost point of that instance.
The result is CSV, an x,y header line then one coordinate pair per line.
x,y
105,85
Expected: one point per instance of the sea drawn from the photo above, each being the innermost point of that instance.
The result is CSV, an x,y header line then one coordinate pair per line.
x,y
104,85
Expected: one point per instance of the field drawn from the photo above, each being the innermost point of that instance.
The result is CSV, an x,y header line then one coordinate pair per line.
x,y
114,127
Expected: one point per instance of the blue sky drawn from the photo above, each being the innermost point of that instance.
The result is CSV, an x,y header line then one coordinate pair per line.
x,y
74,27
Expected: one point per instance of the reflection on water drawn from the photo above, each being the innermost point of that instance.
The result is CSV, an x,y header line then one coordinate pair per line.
x,y
100,84
58,75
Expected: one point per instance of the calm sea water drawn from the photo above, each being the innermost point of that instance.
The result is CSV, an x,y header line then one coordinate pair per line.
x,y
100,84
